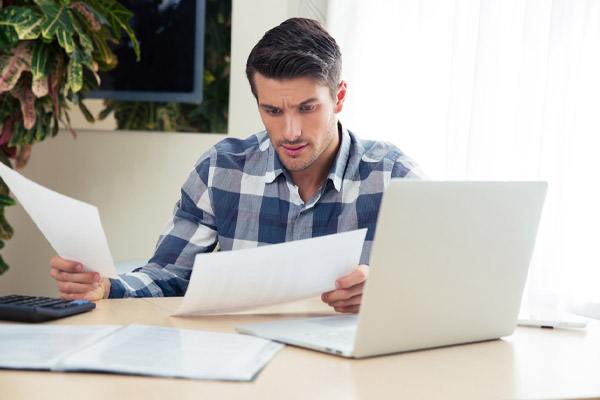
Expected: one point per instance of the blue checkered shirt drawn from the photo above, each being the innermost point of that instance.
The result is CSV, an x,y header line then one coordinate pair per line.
x,y
239,195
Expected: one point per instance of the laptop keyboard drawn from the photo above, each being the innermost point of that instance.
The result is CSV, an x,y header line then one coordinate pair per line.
x,y
38,309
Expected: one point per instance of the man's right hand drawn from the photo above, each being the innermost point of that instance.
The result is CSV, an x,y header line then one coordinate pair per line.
x,y
74,284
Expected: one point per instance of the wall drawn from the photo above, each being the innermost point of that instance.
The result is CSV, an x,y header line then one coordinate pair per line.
x,y
132,177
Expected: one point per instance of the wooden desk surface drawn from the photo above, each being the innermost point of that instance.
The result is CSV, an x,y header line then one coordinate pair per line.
x,y
532,363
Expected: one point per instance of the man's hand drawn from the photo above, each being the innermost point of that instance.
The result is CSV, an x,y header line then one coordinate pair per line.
x,y
348,293
73,284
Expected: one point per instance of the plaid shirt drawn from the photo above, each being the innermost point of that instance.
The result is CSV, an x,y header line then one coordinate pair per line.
x,y
239,195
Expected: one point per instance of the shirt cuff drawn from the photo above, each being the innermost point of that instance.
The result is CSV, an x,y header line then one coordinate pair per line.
x,y
117,289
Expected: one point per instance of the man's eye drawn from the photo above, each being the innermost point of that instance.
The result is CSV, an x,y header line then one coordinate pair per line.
x,y
307,108
273,112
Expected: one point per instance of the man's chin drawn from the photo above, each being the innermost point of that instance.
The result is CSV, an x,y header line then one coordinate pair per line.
x,y
294,164
296,167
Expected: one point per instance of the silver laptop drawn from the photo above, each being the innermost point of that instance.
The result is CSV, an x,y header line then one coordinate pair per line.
x,y
448,266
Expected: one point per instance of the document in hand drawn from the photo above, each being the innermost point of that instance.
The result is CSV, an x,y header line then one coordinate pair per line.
x,y
72,227
136,349
237,280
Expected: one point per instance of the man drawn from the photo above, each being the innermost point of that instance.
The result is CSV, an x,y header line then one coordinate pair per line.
x,y
304,176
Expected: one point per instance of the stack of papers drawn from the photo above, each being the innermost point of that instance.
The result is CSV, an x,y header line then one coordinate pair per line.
x,y
136,349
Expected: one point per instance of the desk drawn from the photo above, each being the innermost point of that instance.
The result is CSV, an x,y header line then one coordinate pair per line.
x,y
532,363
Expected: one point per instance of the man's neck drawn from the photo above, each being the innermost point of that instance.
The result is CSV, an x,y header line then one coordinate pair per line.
x,y
311,179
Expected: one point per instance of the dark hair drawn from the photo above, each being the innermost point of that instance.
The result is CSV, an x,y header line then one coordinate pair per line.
x,y
298,48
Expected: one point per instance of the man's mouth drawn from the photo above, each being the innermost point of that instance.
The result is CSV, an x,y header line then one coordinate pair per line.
x,y
294,150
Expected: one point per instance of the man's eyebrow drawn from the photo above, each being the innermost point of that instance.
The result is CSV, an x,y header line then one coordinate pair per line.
x,y
305,102
268,106
311,100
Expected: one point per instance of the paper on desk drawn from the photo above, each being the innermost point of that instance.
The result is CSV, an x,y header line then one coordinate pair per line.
x,y
43,346
237,280
178,353
72,227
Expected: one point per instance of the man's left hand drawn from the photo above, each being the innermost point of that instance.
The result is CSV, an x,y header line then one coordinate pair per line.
x,y
347,295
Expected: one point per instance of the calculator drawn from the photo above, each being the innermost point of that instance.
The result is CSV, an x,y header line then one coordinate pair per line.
x,y
39,309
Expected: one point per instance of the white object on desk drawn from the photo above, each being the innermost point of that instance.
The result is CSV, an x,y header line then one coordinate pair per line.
x,y
237,280
72,227
43,346
178,353
136,349
545,318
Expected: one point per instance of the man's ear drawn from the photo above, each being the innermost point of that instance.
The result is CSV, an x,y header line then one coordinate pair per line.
x,y
340,96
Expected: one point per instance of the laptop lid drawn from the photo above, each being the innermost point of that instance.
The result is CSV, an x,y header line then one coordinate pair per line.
x,y
448,266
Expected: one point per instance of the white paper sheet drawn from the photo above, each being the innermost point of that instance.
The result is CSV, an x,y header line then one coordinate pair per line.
x,y
177,353
72,227
237,280
43,346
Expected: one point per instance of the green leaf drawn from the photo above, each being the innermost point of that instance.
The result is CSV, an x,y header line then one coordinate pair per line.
x,y
86,59
3,265
58,23
6,231
54,126
84,39
45,2
118,16
8,37
110,105
103,55
75,74
6,200
86,112
41,62
65,40
17,135
31,28
15,15
41,129
91,80
41,59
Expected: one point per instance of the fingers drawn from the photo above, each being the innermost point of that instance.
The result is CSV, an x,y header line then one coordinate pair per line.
x,y
342,294
348,294
61,264
350,309
349,305
73,283
82,277
348,286
359,275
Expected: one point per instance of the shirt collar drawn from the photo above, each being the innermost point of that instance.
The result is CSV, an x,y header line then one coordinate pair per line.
x,y
274,166
336,175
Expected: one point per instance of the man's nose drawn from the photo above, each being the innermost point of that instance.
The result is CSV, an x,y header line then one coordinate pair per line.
x,y
291,128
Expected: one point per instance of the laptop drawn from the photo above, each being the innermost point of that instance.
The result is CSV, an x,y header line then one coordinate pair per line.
x,y
448,266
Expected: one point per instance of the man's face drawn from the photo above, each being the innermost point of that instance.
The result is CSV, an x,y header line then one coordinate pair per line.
x,y
299,116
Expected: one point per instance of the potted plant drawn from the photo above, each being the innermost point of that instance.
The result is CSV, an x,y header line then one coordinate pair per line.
x,y
50,53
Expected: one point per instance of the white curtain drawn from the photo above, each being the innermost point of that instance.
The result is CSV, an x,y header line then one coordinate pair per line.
x,y
490,90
